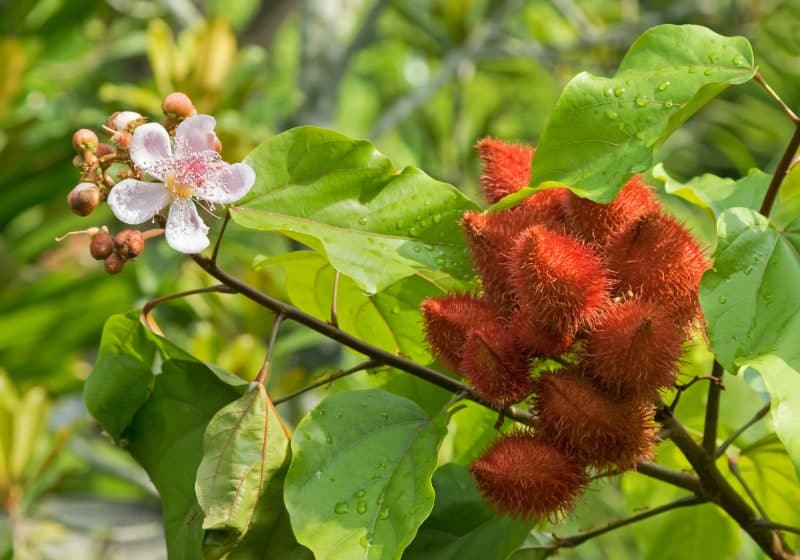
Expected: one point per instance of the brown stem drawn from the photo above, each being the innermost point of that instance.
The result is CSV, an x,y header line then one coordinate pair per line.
x,y
791,114
263,373
334,300
151,233
334,333
676,478
735,435
148,307
712,409
225,221
368,364
780,173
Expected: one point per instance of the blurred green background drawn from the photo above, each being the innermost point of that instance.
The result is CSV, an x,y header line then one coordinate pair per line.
x,y
423,79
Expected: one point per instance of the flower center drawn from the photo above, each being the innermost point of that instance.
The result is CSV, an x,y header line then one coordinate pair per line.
x,y
178,190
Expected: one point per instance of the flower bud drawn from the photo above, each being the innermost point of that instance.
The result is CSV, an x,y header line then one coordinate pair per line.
x,y
104,150
525,476
122,140
84,198
129,243
506,167
101,245
114,263
178,105
124,121
84,140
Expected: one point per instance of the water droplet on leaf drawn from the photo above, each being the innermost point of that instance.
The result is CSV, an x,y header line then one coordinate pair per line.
x,y
611,114
692,69
342,507
618,91
641,101
708,72
362,220
668,104
663,86
384,513
723,300
361,506
360,494
738,60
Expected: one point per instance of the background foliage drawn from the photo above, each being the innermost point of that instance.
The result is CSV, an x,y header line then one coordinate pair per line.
x,y
422,80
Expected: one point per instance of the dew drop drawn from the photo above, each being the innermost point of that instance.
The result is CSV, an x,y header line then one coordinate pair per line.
x,y
413,232
417,248
361,506
748,270
663,86
611,114
692,69
440,260
639,135
362,220
738,60
668,104
363,542
396,309
384,514
708,72
641,101
618,91
713,58
320,412
607,92
723,300
342,507
360,494
329,438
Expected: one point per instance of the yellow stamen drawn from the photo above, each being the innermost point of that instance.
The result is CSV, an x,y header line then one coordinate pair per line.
x,y
178,190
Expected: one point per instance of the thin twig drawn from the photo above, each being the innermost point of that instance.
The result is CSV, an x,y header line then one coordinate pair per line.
x,y
368,364
326,329
148,307
676,478
791,114
712,410
733,466
767,524
680,388
263,373
225,221
575,540
735,435
334,299
780,173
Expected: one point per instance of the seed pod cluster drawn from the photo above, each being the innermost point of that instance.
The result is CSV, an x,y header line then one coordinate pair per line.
x,y
613,284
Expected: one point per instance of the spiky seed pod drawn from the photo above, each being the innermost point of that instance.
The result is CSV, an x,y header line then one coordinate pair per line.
x,y
596,223
506,167
447,320
559,279
490,238
586,423
495,365
536,336
548,208
634,350
524,476
659,260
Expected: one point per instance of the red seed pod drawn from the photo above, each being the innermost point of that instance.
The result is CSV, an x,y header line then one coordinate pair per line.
x,y
506,167
178,105
84,198
659,260
129,243
634,350
548,208
495,365
84,140
101,245
536,336
114,264
490,237
589,425
595,222
558,280
447,320
525,476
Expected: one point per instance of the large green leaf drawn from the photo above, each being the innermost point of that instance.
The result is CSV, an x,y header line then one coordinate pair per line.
x,y
605,129
390,319
244,448
462,526
359,485
752,307
344,199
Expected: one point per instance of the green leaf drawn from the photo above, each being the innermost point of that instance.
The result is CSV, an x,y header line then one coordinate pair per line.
x,y
717,194
244,448
342,198
462,526
359,485
122,378
390,319
751,307
702,531
605,129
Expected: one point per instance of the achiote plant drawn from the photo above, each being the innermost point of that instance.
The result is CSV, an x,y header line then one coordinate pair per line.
x,y
575,329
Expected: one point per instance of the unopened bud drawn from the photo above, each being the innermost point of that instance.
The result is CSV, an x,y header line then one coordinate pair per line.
x,y
122,140
104,150
77,161
101,246
129,243
124,121
178,105
84,140
84,198
114,264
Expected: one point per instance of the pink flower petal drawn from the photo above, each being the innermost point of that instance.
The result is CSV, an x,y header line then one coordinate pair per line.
x,y
195,134
228,185
135,202
151,150
185,231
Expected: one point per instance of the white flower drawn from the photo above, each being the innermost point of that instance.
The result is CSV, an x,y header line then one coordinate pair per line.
x,y
190,169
